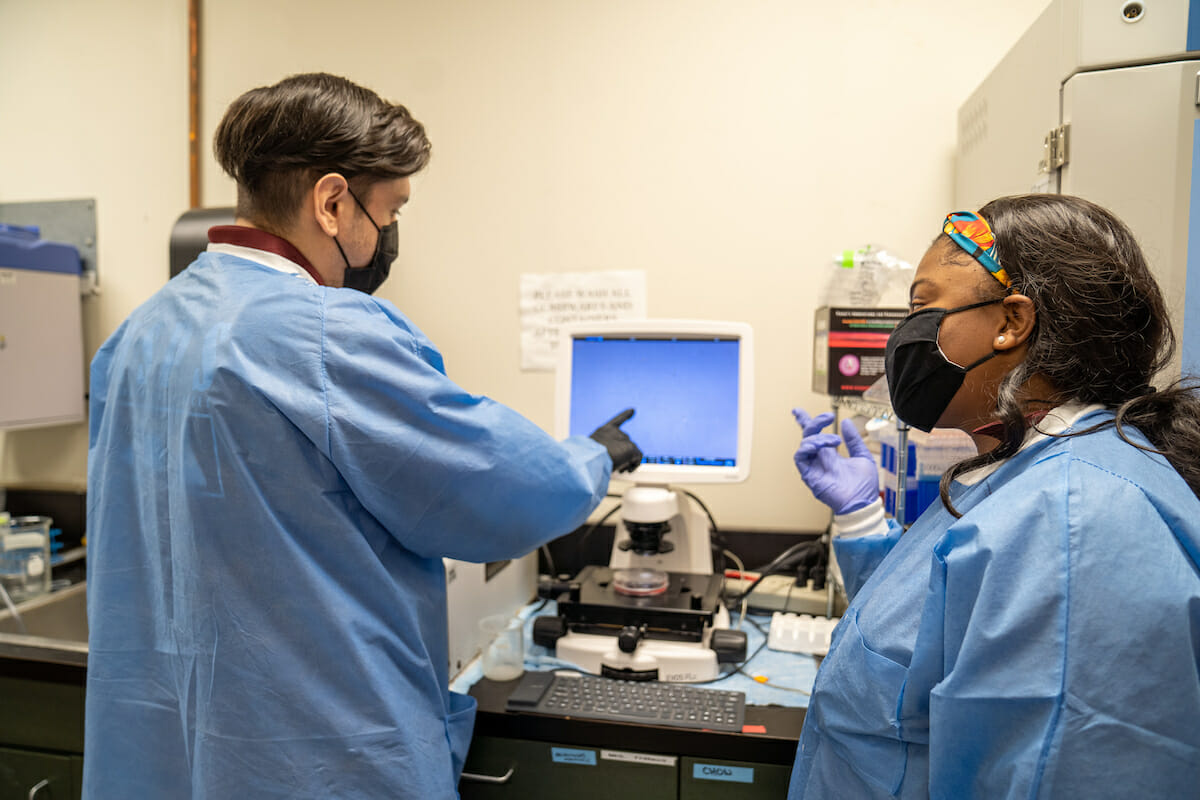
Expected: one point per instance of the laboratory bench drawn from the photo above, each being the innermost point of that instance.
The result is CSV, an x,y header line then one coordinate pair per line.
x,y
42,681
522,754
43,674
43,677
519,755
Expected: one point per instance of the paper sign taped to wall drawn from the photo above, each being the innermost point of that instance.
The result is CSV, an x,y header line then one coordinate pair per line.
x,y
551,300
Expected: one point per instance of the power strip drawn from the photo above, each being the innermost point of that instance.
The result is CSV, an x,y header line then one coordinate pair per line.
x,y
776,590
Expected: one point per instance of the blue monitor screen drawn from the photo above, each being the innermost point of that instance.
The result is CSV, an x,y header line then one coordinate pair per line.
x,y
684,392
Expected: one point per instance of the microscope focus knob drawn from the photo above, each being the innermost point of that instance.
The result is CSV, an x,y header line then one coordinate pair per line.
x,y
730,646
628,638
548,630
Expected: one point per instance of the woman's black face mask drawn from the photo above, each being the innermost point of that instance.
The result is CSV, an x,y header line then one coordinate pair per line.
x,y
921,380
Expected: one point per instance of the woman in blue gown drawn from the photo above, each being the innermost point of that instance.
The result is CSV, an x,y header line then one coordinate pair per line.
x,y
1037,632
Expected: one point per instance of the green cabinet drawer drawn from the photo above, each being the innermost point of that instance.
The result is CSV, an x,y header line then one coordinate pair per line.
x,y
711,779
41,714
54,777
524,769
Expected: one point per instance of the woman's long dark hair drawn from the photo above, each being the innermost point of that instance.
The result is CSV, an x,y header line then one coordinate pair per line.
x,y
1103,331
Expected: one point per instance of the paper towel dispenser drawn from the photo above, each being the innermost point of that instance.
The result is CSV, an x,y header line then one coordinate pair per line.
x,y
41,331
189,237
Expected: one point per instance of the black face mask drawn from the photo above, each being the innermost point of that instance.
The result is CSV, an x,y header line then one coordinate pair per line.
x,y
921,380
387,247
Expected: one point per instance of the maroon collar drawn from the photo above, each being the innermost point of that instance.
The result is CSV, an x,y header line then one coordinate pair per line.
x,y
996,429
261,240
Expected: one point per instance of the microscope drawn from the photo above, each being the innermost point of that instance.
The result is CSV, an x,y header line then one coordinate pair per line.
x,y
655,612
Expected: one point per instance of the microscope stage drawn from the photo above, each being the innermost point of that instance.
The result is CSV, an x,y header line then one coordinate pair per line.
x,y
680,613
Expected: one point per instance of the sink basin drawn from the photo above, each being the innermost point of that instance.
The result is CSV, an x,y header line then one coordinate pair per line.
x,y
55,627
60,615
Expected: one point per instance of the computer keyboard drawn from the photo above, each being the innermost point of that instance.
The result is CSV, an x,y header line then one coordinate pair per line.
x,y
573,694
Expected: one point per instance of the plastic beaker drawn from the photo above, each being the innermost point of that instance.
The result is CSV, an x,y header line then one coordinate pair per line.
x,y
503,647
25,557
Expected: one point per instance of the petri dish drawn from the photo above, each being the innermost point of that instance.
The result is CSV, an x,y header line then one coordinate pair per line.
x,y
641,582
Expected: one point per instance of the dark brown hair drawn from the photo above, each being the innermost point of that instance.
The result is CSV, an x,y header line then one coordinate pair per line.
x,y
1103,331
277,141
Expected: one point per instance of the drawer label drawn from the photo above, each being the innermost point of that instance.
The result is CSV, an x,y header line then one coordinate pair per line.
x,y
566,755
638,758
720,772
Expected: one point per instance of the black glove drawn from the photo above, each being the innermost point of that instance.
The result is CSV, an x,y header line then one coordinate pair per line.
x,y
624,453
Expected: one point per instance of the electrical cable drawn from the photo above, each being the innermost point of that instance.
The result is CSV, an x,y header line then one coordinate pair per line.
x,y
738,668
778,564
741,571
762,679
699,502
717,542
594,527
549,560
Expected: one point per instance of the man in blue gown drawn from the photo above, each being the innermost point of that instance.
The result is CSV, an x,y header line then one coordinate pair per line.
x,y
277,466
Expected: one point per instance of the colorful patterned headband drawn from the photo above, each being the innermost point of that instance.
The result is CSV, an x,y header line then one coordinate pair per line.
x,y
972,233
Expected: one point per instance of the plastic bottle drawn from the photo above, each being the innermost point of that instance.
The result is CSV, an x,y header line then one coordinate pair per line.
x,y
929,456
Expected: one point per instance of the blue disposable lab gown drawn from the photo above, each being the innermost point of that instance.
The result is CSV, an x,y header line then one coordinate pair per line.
x,y
1046,644
276,470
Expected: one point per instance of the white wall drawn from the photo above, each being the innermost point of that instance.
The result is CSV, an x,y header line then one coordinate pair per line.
x,y
93,103
726,149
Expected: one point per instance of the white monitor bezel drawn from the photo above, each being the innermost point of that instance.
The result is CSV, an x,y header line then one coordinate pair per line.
x,y
668,474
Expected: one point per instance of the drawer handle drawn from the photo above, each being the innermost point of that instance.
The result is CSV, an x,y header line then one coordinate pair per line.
x,y
471,777
37,787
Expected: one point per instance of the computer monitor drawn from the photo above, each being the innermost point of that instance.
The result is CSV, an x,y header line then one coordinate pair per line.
x,y
690,382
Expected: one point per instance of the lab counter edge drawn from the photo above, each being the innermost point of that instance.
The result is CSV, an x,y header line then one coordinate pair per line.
x,y
777,743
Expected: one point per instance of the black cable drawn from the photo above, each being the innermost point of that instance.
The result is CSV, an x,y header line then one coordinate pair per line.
x,y
759,628
778,564
546,547
549,560
738,667
784,557
717,542
711,521
594,527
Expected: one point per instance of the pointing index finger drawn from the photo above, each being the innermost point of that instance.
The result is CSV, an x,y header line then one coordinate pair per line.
x,y
621,418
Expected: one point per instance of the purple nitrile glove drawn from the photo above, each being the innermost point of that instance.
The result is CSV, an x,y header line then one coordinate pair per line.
x,y
843,484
